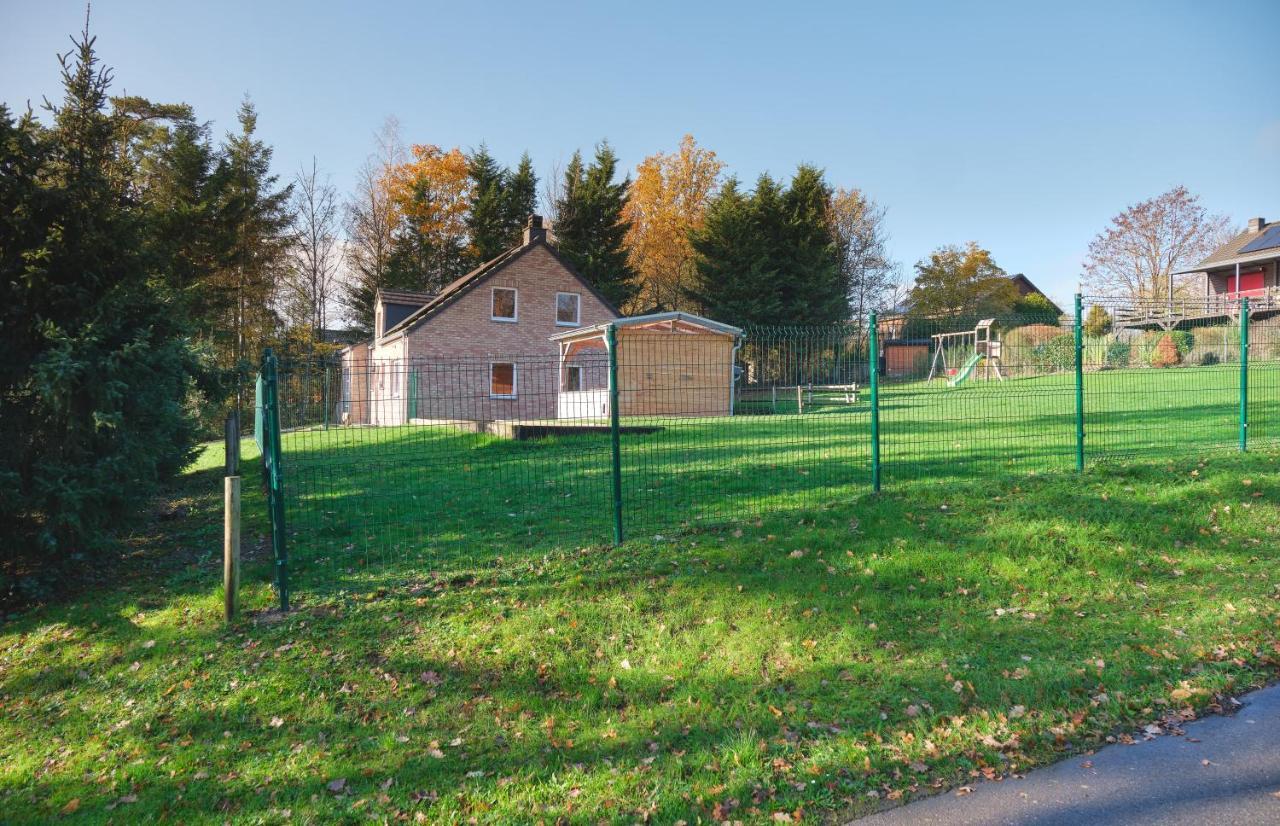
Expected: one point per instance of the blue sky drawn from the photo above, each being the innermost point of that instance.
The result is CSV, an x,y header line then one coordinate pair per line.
x,y
1023,126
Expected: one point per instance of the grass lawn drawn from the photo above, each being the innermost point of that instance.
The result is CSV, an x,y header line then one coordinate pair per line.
x,y
773,640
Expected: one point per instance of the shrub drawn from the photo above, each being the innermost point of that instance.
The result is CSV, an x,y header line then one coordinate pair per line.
x,y
1031,335
1118,354
1058,353
1166,353
1183,340
1209,358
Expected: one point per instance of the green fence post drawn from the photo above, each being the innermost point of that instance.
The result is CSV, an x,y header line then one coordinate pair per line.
x,y
324,395
1244,374
611,338
411,403
275,474
873,363
1079,386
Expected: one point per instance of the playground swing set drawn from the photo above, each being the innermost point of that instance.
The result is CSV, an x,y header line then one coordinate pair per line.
x,y
985,351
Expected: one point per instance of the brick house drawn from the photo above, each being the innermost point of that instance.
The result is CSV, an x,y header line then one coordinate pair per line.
x,y
479,349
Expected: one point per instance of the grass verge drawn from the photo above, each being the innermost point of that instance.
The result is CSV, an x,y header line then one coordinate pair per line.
x,y
814,664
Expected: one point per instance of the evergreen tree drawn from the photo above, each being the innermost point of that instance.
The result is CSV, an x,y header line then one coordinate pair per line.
x,y
770,257
733,275
487,221
255,215
807,259
521,197
590,228
501,203
96,365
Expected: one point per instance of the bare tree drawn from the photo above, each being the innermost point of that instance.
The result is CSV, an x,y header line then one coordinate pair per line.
x,y
315,256
1137,255
553,192
872,280
370,222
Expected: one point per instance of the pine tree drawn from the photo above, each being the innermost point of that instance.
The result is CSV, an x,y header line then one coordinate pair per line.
x,y
590,228
97,366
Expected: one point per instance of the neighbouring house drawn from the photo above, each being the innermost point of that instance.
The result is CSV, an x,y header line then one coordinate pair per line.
x,y
479,350
1244,267
669,364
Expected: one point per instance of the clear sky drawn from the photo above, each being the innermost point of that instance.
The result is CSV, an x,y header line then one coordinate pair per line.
x,y
1024,125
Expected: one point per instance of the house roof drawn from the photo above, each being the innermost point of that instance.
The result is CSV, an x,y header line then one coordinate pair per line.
x,y
651,318
1229,254
405,296
464,284
1025,287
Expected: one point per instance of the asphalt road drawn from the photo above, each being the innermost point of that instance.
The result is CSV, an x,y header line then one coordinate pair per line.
x,y
1161,781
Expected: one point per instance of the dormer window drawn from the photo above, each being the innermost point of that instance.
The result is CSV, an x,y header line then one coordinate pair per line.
x,y
504,305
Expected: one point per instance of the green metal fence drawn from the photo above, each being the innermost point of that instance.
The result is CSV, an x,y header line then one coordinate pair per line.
x,y
388,469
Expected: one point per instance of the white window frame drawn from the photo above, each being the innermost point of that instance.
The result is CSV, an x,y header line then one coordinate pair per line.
x,y
515,305
577,315
515,380
568,370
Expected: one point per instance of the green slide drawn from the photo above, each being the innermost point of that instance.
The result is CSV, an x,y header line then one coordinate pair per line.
x,y
966,370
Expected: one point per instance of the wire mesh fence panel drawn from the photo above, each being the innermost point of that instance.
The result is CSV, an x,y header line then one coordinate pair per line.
x,y
404,466
399,467
963,395
1264,378
1162,378
723,426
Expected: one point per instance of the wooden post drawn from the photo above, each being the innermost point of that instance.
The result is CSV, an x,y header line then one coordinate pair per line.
x,y
800,398
231,545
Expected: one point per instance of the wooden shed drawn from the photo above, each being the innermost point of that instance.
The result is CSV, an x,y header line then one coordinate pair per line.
x,y
669,364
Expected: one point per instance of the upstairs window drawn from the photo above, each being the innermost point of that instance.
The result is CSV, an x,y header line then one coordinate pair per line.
x,y
567,309
504,304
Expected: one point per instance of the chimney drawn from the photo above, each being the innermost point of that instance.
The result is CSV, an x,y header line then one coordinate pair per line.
x,y
1256,224
534,232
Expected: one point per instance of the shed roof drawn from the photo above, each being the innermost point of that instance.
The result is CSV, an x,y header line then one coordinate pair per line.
x,y
651,318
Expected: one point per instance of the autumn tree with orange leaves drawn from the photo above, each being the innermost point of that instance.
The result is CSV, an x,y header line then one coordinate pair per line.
x,y
430,197
668,201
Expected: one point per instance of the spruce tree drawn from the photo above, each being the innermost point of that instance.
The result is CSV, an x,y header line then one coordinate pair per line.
x,y
254,213
770,257
733,278
97,365
807,259
488,222
521,197
590,228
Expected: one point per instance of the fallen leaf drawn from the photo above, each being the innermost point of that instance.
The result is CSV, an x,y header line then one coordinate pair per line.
x,y
72,805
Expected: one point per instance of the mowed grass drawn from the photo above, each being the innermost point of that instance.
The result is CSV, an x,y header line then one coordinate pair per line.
x,y
826,654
